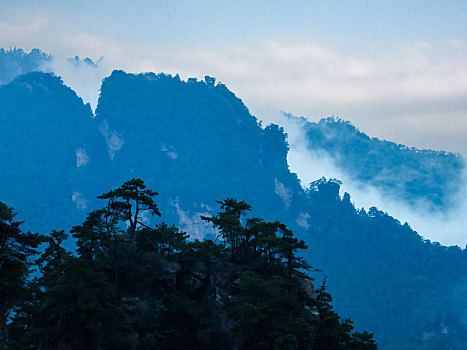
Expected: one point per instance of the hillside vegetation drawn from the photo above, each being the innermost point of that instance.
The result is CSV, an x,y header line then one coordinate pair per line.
x,y
196,142
407,174
132,286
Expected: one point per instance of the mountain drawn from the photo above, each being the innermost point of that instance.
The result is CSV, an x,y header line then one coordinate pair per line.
x,y
407,174
195,142
51,152
15,62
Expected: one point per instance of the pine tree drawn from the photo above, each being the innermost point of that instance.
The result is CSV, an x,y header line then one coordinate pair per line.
x,y
129,200
17,253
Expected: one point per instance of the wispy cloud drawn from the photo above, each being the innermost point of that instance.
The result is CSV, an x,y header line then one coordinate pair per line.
x,y
419,88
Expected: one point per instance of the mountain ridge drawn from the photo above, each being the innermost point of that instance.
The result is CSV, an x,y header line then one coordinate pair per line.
x,y
196,143
408,174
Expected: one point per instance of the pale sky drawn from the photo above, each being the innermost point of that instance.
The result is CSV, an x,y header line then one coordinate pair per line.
x,y
396,69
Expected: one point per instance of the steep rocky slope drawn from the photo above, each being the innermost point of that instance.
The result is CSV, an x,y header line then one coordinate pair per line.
x,y
195,142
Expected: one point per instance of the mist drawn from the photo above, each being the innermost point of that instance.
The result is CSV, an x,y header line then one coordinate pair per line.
x,y
83,76
447,227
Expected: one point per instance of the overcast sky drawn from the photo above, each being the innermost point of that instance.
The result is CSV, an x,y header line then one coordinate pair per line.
x,y
396,69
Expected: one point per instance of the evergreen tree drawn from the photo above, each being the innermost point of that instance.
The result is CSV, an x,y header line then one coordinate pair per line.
x,y
333,333
17,252
228,222
130,200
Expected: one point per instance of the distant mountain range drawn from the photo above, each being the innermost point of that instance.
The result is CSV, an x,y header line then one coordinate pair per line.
x,y
408,174
14,62
195,142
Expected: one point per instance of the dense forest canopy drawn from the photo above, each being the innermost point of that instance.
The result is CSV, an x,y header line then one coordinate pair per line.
x,y
132,286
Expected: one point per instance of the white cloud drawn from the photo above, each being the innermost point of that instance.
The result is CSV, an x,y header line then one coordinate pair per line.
x,y
420,89
84,79
306,74
44,30
394,89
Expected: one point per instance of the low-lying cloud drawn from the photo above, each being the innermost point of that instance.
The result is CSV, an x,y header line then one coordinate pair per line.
x,y
84,79
446,227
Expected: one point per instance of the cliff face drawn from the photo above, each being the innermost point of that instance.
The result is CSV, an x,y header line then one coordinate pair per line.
x,y
50,151
196,143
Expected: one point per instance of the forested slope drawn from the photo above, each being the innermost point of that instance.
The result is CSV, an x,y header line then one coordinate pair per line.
x,y
140,287
428,177
195,142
